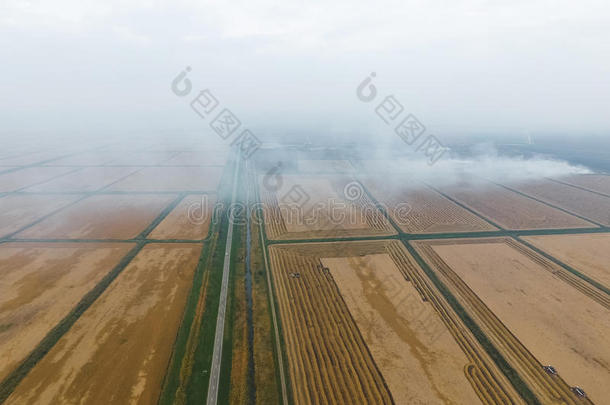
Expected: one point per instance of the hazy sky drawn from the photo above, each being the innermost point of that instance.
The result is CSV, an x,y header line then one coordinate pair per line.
x,y
482,66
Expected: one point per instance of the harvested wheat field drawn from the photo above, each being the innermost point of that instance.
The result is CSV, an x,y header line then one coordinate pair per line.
x,y
190,219
85,179
303,207
200,158
119,349
131,158
101,217
39,286
580,202
22,178
325,166
23,159
418,209
533,311
18,211
587,253
594,182
363,325
159,179
509,209
83,159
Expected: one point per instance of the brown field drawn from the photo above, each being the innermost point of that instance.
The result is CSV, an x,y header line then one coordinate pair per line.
x,y
511,210
130,158
589,254
325,212
100,217
429,211
119,349
83,159
533,311
593,182
40,284
23,159
22,178
580,202
85,179
201,158
17,211
155,179
189,220
325,166
371,329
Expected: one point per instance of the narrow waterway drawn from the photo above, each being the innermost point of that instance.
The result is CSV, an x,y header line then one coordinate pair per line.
x,y
249,315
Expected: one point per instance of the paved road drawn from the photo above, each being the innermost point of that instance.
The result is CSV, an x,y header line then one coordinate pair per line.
x,y
222,307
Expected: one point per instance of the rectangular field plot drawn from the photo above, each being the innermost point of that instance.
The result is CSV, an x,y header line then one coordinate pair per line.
x,y
303,207
511,210
325,166
200,158
362,325
533,311
588,254
159,179
17,211
23,159
136,158
119,349
594,182
86,179
39,286
191,219
580,202
416,208
27,177
101,217
83,159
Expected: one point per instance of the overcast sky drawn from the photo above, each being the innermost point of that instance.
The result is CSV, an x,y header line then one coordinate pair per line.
x,y
481,66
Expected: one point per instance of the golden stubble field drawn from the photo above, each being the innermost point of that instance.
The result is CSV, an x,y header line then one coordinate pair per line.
x,y
511,210
427,210
190,219
119,349
362,324
587,253
39,286
304,207
589,205
594,182
535,312
102,216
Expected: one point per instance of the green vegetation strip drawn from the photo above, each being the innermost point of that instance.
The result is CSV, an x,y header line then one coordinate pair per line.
x,y
500,361
196,387
172,377
237,259
16,376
